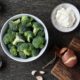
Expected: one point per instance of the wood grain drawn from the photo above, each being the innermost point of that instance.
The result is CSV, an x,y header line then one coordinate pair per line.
x,y
61,72
64,73
42,9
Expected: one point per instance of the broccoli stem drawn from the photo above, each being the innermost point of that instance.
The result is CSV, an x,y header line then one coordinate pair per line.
x,y
17,39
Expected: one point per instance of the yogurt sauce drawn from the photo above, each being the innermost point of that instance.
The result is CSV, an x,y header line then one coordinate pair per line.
x,y
65,17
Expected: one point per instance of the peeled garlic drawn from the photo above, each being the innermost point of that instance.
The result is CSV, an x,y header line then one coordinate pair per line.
x,y
33,72
41,72
39,77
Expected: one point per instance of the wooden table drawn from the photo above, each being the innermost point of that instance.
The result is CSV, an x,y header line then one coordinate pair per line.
x,y
41,8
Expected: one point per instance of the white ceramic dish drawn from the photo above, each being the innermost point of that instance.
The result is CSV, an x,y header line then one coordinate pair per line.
x,y
16,58
65,29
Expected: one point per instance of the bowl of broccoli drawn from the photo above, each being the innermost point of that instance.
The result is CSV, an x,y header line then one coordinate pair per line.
x,y
24,37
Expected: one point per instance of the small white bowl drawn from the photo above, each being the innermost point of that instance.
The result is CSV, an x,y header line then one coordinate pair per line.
x,y
16,58
61,28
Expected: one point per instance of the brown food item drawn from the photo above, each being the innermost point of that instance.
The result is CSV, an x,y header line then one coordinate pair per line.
x,y
33,72
69,58
39,77
61,72
63,50
75,44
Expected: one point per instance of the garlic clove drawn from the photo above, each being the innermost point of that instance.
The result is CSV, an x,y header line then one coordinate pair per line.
x,y
69,58
41,72
39,77
63,50
33,72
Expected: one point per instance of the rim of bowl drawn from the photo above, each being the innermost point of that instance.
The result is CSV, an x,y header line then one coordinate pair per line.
x,y
6,50
63,29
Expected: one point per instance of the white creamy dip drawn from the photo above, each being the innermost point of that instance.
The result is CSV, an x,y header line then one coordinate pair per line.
x,y
65,17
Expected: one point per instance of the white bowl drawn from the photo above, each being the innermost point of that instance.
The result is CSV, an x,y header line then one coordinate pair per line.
x,y
4,47
65,29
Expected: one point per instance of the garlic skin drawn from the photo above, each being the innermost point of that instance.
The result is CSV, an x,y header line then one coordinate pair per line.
x,y
69,58
39,77
33,72
42,72
65,17
38,74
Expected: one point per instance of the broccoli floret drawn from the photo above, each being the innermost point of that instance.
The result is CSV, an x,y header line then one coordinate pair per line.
x,y
41,33
13,25
29,35
13,51
38,42
9,37
26,48
18,44
36,27
24,20
35,52
17,39
6,38
9,30
22,55
9,46
29,24
27,21
31,19
17,21
22,28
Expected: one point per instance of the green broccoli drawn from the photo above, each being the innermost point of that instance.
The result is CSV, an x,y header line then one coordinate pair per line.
x,y
9,46
24,20
18,44
35,52
29,35
38,42
41,33
17,39
9,30
25,49
8,37
24,37
36,27
13,51
22,28
29,24
22,55
31,19
29,51
13,25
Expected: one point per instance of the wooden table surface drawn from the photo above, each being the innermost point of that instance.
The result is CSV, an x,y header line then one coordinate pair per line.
x,y
41,8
